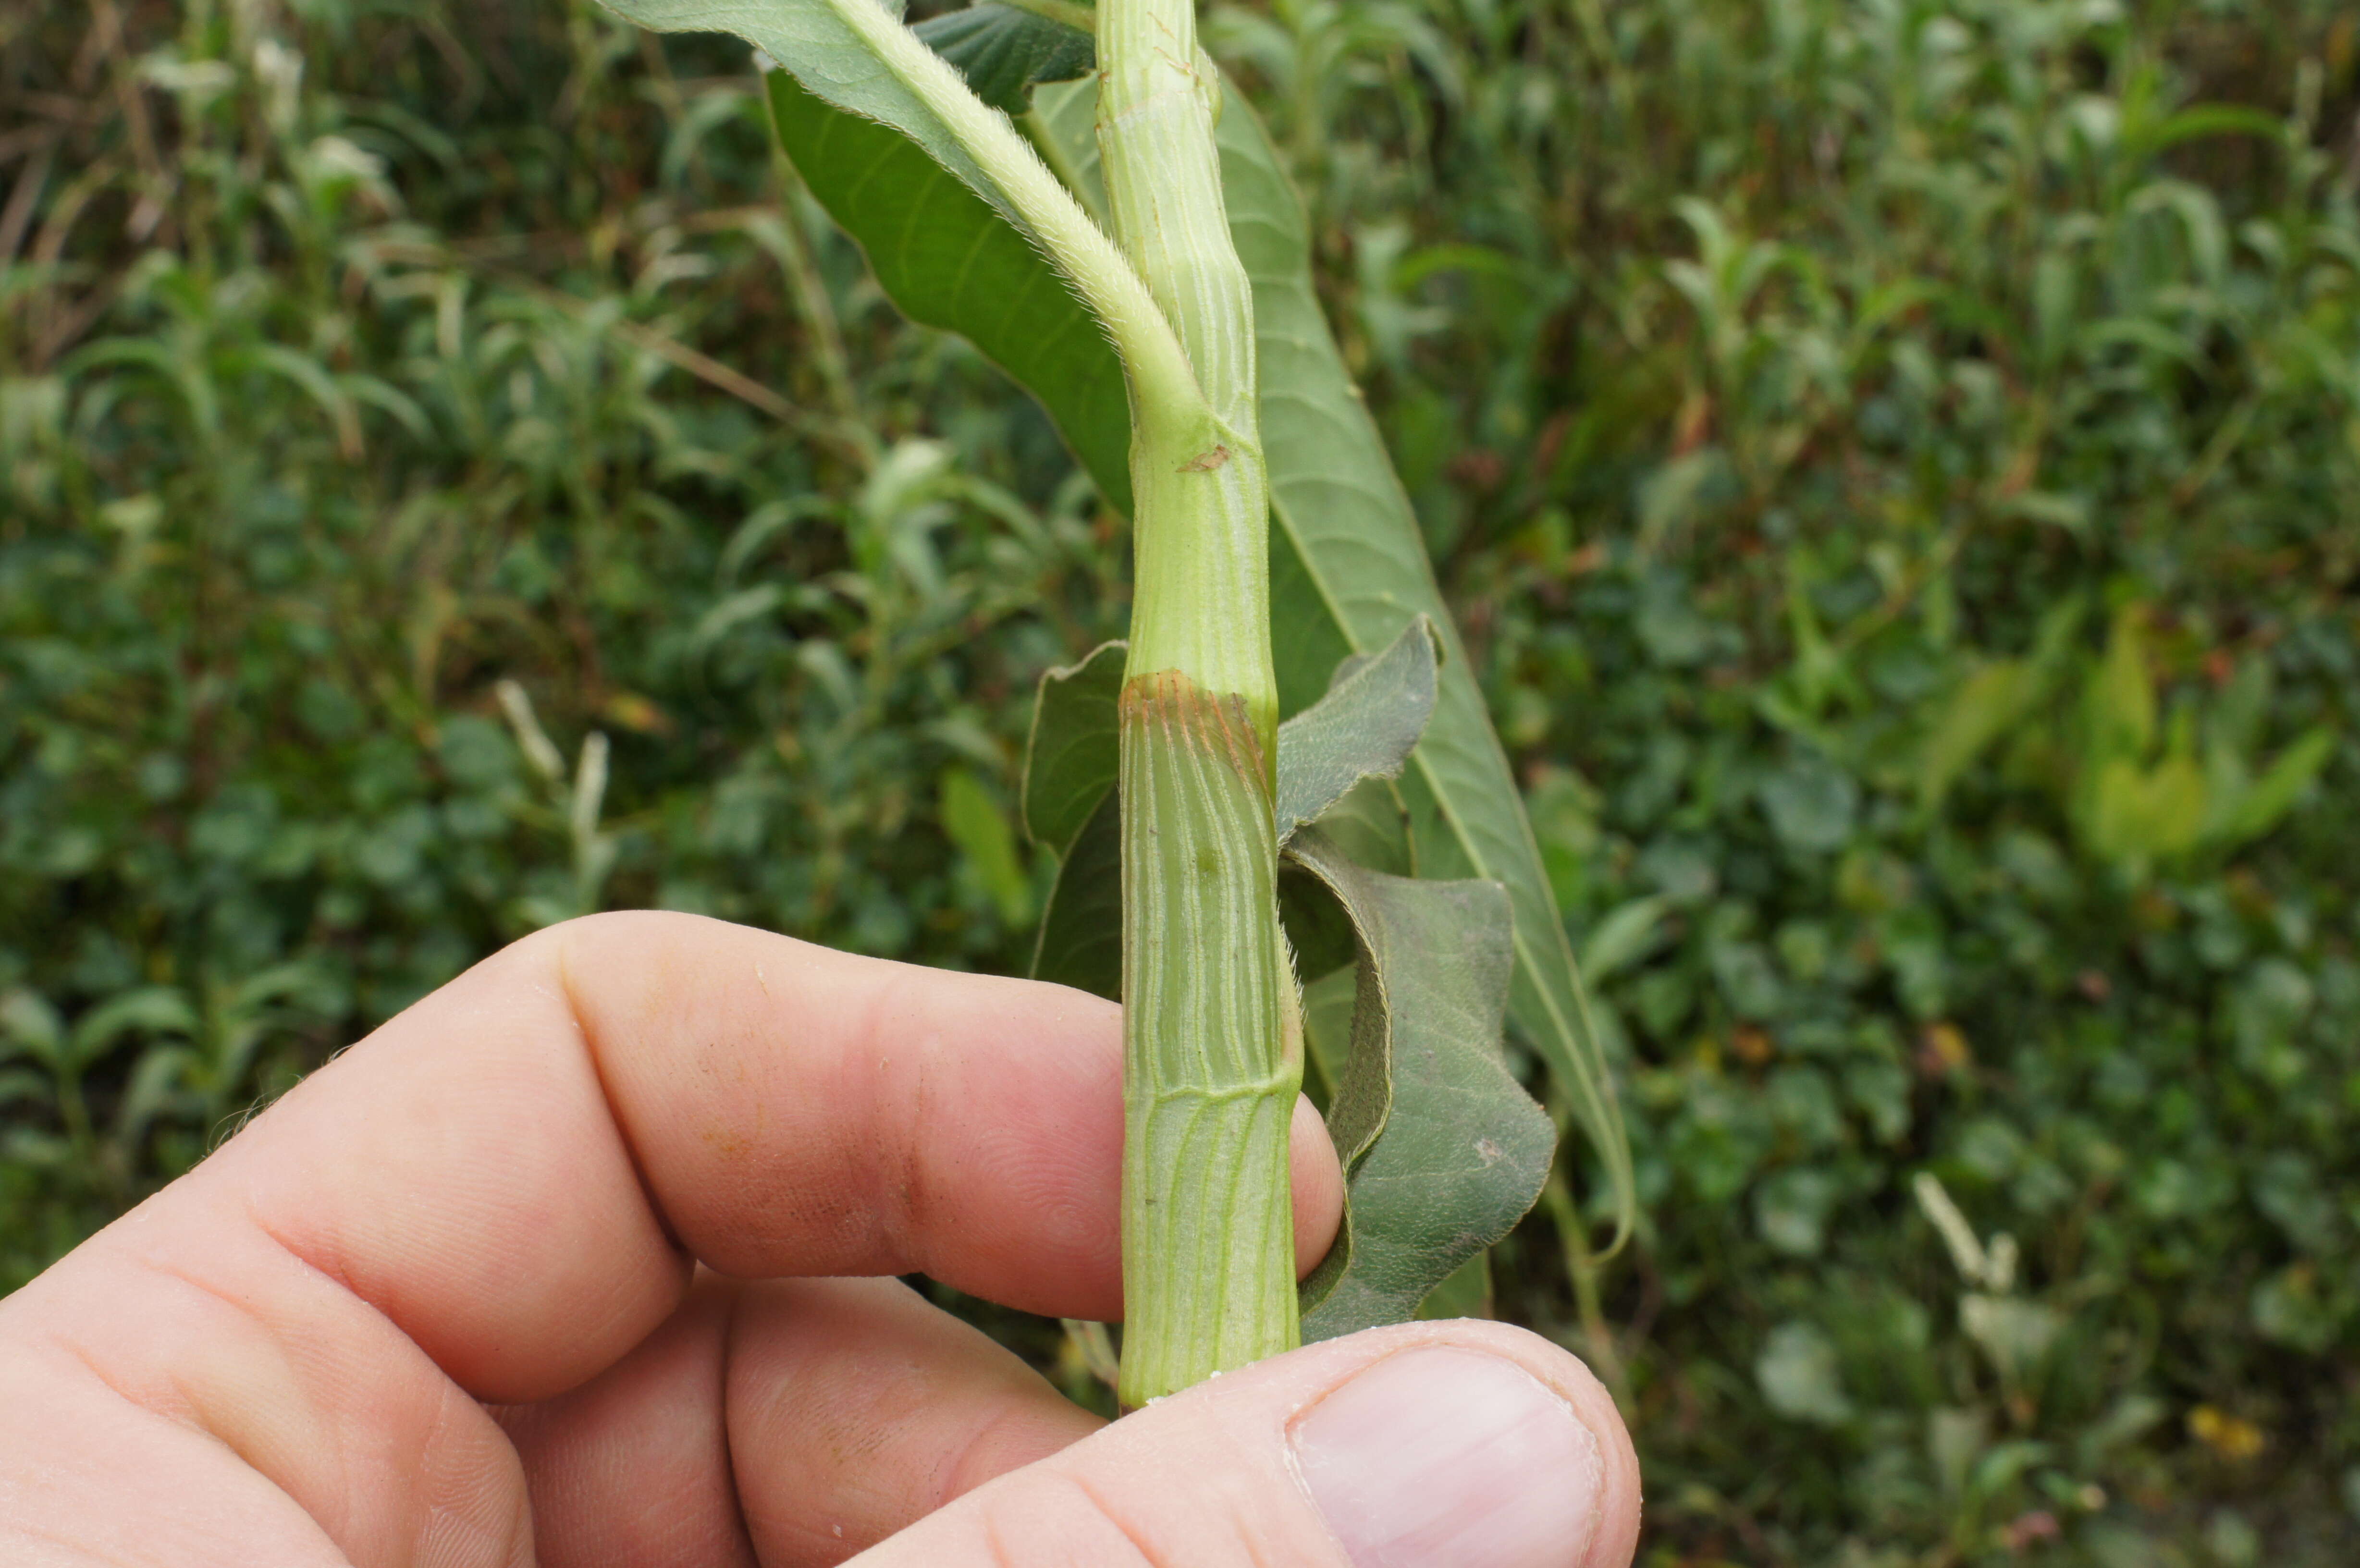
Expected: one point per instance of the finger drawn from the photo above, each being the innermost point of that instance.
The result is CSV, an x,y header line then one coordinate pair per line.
x,y
633,1467
504,1170
1467,1444
509,1179
845,1409
857,1407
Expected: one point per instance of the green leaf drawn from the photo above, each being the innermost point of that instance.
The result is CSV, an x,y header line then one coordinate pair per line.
x,y
1002,51
948,259
1986,705
1443,1151
1466,1294
973,820
151,1009
2274,793
1327,1029
1071,760
1800,1377
1359,562
1073,751
1080,943
1370,824
1363,728
28,1024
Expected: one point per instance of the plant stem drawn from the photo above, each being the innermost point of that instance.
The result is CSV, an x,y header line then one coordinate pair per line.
x,y
1213,1053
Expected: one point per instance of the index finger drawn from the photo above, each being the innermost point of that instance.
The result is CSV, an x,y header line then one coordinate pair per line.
x,y
518,1170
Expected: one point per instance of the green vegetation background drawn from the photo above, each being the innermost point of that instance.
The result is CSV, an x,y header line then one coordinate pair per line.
x,y
1897,464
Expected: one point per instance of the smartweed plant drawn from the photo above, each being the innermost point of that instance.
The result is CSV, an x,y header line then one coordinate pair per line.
x,y
1081,194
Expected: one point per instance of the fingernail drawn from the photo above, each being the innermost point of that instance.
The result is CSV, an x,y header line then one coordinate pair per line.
x,y
1444,1458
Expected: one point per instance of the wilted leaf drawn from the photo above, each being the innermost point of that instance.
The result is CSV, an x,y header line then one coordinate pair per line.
x,y
1443,1151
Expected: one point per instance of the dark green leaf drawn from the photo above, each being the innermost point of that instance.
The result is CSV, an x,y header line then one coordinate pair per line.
x,y
1328,1031
949,259
1072,755
1002,52
1080,943
1370,825
1363,729
1071,760
1466,1294
1443,1151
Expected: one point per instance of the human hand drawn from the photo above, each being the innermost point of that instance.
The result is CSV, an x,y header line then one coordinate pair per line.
x,y
553,1268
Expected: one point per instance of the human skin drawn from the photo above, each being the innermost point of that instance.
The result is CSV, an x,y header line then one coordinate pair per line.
x,y
586,1259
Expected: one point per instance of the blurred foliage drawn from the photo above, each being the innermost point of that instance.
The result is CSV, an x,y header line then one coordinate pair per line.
x,y
1898,464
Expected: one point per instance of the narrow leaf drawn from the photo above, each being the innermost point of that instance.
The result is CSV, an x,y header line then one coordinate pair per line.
x,y
1443,1151
947,258
1342,512
1071,757
974,821
1363,728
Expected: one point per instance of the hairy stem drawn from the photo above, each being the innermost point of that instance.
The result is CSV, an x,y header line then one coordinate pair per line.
x,y
1211,1064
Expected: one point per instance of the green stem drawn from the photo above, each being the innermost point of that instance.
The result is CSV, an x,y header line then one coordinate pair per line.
x,y
1212,1065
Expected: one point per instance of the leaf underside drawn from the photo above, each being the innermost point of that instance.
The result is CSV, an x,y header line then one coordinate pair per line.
x,y
819,48
1002,52
1443,1151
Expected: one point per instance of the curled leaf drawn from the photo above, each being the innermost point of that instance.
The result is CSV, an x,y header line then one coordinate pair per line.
x,y
1443,1151
1365,727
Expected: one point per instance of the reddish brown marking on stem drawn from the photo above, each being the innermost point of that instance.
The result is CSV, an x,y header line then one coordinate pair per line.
x,y
1217,720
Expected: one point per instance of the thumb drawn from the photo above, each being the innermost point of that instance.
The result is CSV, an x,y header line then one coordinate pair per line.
x,y
1430,1446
